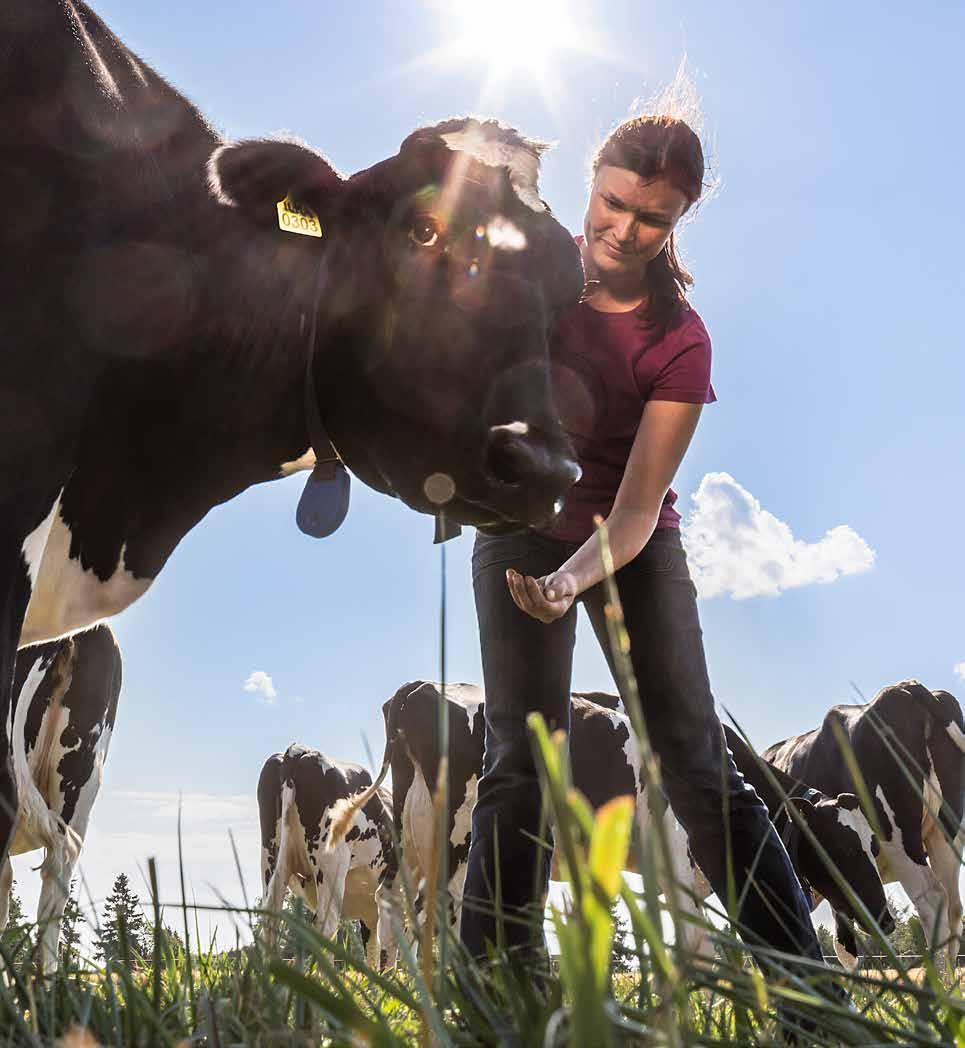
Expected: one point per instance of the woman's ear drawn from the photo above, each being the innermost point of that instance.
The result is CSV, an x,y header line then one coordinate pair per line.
x,y
255,175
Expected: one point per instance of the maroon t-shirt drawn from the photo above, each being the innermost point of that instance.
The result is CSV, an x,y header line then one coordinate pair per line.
x,y
606,366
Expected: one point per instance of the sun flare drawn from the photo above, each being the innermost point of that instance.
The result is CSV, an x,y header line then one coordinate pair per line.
x,y
513,40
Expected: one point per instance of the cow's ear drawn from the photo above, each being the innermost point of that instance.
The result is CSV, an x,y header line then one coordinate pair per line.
x,y
848,801
255,175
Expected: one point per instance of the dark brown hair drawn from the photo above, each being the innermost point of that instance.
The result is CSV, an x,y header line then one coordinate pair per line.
x,y
652,146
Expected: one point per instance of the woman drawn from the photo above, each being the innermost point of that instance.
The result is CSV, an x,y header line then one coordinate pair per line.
x,y
633,373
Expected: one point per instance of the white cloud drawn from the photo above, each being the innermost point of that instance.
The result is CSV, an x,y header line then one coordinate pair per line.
x,y
959,669
260,683
736,547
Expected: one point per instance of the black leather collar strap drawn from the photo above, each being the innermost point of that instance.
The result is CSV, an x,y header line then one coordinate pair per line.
x,y
325,500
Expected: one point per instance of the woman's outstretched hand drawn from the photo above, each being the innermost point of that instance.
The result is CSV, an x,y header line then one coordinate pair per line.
x,y
547,598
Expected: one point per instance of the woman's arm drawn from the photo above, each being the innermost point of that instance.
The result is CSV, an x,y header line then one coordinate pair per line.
x,y
662,439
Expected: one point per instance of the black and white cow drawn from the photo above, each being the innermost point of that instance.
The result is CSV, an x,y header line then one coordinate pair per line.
x,y
166,343
838,825
65,702
909,745
297,791
836,822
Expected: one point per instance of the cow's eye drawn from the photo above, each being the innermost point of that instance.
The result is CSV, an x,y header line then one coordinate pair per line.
x,y
424,231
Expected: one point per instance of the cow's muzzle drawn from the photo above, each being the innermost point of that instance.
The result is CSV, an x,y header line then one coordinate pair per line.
x,y
514,458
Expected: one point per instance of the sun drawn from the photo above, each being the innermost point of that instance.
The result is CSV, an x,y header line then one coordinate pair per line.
x,y
512,36
513,40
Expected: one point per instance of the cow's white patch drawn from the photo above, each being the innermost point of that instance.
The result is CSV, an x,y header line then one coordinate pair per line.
x,y
856,821
505,235
66,597
931,800
303,462
521,429
920,882
417,820
957,736
35,543
521,162
462,818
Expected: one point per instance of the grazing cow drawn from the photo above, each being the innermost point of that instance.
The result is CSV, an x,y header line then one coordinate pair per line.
x,y
167,342
605,763
909,745
297,790
836,822
65,702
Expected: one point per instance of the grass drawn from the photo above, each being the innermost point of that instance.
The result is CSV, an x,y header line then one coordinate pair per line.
x,y
322,992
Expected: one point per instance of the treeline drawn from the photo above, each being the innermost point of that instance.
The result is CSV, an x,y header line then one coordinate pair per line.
x,y
120,931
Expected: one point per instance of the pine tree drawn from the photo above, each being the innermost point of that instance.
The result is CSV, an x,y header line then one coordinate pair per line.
x,y
123,921
70,927
15,936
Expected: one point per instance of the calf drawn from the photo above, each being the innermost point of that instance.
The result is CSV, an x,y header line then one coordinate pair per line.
x,y
297,791
909,746
65,701
838,826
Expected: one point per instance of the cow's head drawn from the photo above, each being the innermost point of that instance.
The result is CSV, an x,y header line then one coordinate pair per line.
x,y
846,835
443,276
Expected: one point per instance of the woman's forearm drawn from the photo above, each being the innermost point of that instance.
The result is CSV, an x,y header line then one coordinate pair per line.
x,y
628,531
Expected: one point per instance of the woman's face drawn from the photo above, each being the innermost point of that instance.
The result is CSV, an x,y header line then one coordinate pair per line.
x,y
628,221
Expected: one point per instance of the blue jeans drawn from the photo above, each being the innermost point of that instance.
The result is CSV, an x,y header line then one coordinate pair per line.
x,y
527,666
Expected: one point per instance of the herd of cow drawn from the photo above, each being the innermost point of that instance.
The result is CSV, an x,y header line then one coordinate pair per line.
x,y
167,343
908,744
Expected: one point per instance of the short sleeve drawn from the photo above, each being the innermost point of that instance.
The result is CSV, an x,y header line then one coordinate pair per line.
x,y
685,377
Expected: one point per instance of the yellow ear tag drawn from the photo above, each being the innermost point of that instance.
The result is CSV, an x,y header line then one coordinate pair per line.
x,y
295,218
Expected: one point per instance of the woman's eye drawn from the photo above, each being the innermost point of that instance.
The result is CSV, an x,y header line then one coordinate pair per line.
x,y
424,232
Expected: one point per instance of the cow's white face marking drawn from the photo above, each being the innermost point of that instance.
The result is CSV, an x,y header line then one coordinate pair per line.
x,y
856,821
519,428
303,462
462,818
521,163
505,235
957,736
66,597
36,541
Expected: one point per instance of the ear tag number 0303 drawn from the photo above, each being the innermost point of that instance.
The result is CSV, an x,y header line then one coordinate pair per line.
x,y
294,218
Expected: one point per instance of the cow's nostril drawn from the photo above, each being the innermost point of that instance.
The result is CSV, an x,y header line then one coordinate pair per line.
x,y
515,456
508,459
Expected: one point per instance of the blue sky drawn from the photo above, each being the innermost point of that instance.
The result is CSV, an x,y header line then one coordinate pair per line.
x,y
828,270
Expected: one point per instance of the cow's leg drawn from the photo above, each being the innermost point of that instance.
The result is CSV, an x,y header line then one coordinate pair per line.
x,y
388,899
944,856
6,885
927,894
25,521
845,942
55,872
278,877
687,885
14,597
331,869
369,921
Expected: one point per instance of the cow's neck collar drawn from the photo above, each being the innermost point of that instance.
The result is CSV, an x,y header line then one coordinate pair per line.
x,y
324,502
